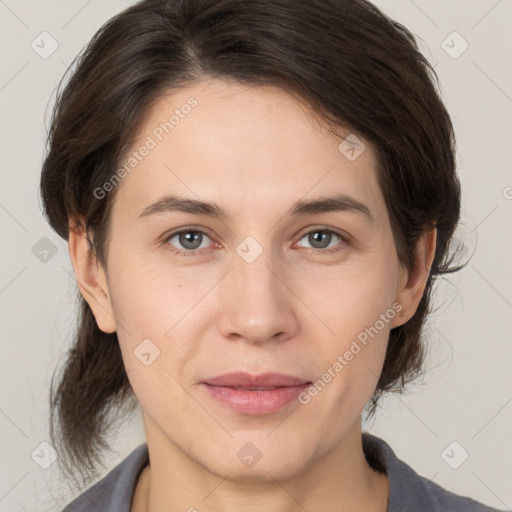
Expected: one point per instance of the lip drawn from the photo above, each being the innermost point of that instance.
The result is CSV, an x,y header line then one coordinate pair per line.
x,y
263,380
255,394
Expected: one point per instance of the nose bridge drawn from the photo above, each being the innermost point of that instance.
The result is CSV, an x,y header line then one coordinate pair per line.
x,y
256,305
255,272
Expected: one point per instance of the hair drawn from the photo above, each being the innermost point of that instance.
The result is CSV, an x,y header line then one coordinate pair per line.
x,y
352,65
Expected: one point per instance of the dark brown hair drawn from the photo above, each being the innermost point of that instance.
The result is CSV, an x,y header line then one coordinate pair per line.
x,y
353,66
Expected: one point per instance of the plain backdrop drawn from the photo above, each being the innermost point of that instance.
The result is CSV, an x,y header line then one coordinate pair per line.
x,y
461,410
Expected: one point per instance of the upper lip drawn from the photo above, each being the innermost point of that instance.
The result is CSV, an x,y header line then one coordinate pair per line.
x,y
248,381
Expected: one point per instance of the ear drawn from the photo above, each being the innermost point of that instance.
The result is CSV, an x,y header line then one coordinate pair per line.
x,y
412,284
90,276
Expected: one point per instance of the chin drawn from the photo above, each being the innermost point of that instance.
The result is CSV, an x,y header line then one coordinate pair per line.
x,y
260,460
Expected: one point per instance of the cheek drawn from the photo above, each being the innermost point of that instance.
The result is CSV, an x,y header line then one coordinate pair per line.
x,y
349,376
349,298
153,311
157,310
151,298
356,306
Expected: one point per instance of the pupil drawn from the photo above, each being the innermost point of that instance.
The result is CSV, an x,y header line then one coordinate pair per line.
x,y
313,237
188,241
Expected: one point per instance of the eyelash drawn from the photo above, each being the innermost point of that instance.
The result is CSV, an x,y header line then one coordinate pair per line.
x,y
193,252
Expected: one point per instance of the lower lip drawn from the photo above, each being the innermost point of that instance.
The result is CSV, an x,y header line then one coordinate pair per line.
x,y
255,402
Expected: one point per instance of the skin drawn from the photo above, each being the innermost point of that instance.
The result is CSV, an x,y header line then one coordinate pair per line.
x,y
255,152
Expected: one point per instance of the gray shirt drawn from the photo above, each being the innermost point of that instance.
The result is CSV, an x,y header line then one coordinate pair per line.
x,y
409,492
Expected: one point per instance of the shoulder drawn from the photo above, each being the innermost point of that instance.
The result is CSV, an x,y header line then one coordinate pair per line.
x,y
410,491
113,493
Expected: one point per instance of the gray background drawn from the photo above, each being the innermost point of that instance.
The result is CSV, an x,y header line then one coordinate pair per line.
x,y
467,395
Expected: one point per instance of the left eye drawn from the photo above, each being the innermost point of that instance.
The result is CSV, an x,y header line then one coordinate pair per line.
x,y
323,240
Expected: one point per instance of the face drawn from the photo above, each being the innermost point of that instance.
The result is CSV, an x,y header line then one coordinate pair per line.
x,y
269,286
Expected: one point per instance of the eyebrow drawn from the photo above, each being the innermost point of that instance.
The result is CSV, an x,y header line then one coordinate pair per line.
x,y
325,204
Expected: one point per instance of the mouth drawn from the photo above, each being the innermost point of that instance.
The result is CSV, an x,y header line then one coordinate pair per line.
x,y
255,394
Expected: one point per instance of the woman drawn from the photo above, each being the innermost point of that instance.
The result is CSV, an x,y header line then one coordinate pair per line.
x,y
257,198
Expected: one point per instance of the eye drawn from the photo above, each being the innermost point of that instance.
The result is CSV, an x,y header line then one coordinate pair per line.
x,y
190,239
321,239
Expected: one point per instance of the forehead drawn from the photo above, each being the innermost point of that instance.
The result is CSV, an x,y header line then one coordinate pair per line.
x,y
249,148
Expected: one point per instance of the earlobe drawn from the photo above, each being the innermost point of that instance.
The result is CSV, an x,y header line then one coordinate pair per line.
x,y
90,277
412,284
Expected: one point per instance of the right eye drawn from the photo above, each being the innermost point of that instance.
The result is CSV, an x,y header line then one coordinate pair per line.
x,y
190,239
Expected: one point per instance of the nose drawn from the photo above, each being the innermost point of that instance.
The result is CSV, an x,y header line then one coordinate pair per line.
x,y
257,302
